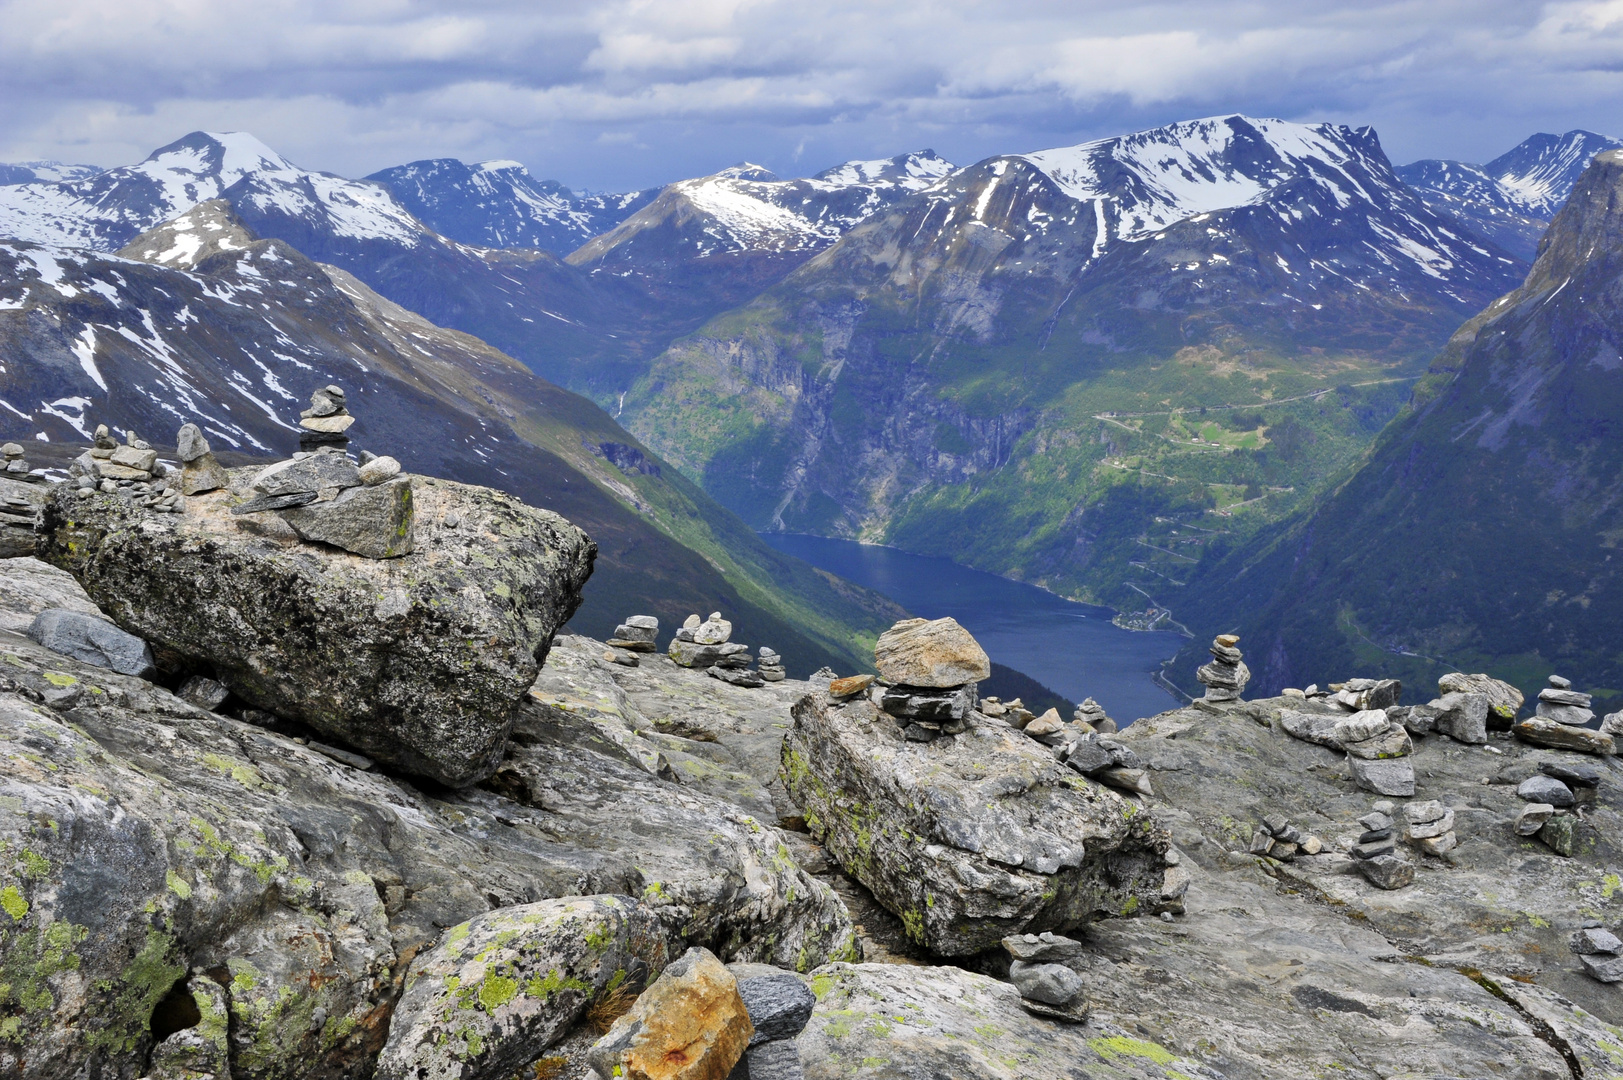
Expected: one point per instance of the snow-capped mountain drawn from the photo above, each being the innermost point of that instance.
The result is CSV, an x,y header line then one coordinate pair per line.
x,y
1512,198
47,172
109,209
499,204
742,228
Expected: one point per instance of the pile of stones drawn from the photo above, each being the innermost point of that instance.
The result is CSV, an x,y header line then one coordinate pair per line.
x,y
1377,748
1431,827
1039,967
131,471
1278,839
1553,796
325,422
770,666
928,670
1106,761
1091,713
17,515
1376,855
638,634
16,466
1225,677
1598,949
199,470
1561,721
326,498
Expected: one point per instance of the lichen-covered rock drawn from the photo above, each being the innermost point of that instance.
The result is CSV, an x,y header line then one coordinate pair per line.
x,y
690,1025
502,987
28,587
971,837
932,653
202,1050
418,661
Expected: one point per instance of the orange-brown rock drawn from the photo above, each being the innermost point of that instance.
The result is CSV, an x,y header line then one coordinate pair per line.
x,y
849,686
690,1025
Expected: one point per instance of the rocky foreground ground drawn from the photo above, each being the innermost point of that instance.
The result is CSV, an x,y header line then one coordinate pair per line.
x,y
210,876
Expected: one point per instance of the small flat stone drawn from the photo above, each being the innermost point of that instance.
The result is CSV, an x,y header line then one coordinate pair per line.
x,y
1375,849
1565,697
1574,774
850,686
92,641
1543,731
1533,817
1607,969
1545,789
1428,829
1387,872
1226,640
327,425
1376,820
343,757
1390,777
1596,940
1559,683
621,657
1571,715
779,1002
1439,845
1051,984
379,470
1419,813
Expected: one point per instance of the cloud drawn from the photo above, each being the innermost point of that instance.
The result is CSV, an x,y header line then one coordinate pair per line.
x,y
634,92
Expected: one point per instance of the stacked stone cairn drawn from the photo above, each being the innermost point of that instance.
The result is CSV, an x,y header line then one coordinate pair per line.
x,y
1431,827
200,471
131,471
1225,677
1376,855
1553,796
770,666
1277,838
1377,748
638,634
17,514
325,422
1598,950
1091,713
708,644
1561,721
1078,743
928,670
16,466
327,499
1042,968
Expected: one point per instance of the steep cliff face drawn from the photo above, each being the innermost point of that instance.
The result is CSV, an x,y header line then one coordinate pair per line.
x,y
1001,367
1483,528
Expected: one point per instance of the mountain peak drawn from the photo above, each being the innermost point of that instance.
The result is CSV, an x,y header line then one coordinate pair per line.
x,y
746,170
231,154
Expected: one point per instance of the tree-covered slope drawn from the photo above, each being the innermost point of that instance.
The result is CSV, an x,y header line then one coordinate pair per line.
x,y
1482,531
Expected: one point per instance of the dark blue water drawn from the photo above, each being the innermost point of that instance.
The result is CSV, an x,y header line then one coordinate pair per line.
x,y
1071,648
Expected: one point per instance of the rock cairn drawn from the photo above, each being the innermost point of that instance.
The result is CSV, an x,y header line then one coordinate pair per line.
x,y
928,670
770,666
200,471
1431,827
1278,839
1042,968
1091,713
1598,951
16,466
638,634
1225,677
1078,743
18,514
326,498
1553,796
130,470
1561,721
325,422
708,644
1376,855
1377,748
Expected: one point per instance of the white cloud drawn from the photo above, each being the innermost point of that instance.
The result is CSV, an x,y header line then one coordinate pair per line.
x,y
629,92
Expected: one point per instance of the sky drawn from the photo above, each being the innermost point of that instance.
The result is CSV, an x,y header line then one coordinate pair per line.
x,y
624,94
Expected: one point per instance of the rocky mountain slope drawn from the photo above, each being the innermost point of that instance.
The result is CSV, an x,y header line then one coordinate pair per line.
x,y
498,204
200,320
1080,366
1512,198
723,238
1481,529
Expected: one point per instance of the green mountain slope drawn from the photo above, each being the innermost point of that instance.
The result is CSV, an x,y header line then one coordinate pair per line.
x,y
1483,530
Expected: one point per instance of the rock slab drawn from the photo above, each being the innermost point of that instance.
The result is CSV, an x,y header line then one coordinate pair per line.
x,y
92,641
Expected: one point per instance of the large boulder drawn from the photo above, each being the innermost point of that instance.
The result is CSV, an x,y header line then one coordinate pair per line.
x,y
690,1025
142,838
418,662
972,837
931,653
499,989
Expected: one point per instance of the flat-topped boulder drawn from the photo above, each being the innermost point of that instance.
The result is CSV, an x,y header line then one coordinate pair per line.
x,y
934,653
970,837
417,661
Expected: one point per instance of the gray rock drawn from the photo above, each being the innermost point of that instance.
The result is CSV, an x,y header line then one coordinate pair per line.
x,y
1606,969
346,757
713,631
933,654
377,522
1370,849
1376,820
1311,727
1086,756
1559,834
1596,940
261,503
1427,830
1545,789
1559,683
1503,698
1387,872
1573,774
1560,735
418,663
204,692
693,655
131,458
529,971
1420,813
1572,715
1361,726
1532,818
28,587
969,843
1463,717
379,470
1553,696
736,676
203,474
1392,743
924,703
1044,948
92,641
1051,984
202,1051
770,1061
190,443
310,473
1395,778
779,1002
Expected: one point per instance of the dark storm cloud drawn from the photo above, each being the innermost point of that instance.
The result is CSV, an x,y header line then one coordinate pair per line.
x,y
633,92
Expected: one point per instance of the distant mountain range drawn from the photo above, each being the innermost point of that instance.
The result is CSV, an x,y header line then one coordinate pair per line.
x,y
1512,198
1482,531
1080,366
200,320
